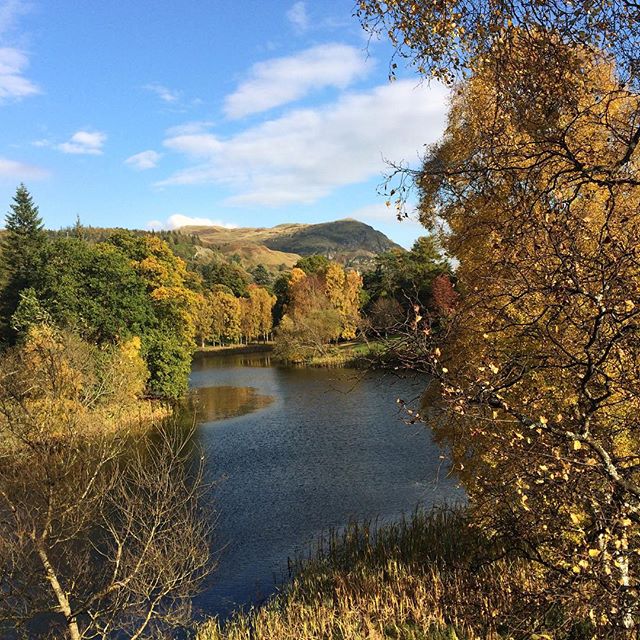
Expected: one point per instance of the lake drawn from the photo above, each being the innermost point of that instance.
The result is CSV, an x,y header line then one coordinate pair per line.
x,y
296,451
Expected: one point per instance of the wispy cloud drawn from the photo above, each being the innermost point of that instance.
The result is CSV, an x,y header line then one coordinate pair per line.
x,y
12,169
144,160
10,11
165,94
297,16
178,220
306,154
188,128
14,85
84,143
380,212
278,81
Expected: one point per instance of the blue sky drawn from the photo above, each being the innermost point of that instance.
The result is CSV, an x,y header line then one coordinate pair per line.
x,y
152,114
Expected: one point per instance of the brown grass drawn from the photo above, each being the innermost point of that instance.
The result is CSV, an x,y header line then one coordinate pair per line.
x,y
425,578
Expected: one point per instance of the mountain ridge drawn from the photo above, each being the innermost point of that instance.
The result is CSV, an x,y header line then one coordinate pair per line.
x,y
348,241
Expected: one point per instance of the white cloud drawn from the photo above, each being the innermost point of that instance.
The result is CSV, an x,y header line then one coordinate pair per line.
x,y
379,212
20,171
13,84
188,128
84,143
297,16
196,145
144,160
178,220
279,81
307,153
165,94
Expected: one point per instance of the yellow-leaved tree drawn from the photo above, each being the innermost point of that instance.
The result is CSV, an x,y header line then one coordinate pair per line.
x,y
536,192
324,306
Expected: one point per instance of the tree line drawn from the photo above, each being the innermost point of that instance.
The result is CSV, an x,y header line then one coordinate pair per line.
x,y
123,286
111,286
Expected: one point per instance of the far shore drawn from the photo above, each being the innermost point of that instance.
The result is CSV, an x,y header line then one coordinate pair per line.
x,y
252,347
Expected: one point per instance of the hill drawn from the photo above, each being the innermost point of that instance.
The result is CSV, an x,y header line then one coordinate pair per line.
x,y
349,242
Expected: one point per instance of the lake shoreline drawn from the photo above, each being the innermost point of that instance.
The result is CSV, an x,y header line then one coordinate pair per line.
x,y
258,347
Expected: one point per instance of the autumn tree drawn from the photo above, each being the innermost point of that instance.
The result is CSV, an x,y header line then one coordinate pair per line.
x,y
202,313
170,341
444,297
101,529
536,182
323,306
248,319
226,317
261,304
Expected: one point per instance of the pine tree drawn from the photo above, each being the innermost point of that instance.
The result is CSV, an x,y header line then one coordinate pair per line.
x,y
21,244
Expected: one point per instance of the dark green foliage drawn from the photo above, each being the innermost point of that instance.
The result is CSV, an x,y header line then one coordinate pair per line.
x,y
407,276
261,276
313,264
21,245
182,244
281,291
106,291
94,290
229,274
169,360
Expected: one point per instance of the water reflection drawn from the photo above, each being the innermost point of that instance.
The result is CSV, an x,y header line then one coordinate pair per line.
x,y
219,403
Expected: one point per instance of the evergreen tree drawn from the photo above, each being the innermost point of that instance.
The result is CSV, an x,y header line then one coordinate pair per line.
x,y
20,248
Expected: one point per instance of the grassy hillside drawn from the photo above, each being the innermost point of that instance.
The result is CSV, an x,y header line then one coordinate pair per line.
x,y
349,242
343,240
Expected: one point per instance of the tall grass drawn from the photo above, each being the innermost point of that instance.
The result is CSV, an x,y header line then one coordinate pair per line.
x,y
427,577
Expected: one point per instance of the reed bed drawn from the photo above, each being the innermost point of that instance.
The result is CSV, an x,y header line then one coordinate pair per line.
x,y
426,577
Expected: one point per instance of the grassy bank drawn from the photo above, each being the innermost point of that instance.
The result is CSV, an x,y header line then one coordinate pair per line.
x,y
346,354
425,578
254,347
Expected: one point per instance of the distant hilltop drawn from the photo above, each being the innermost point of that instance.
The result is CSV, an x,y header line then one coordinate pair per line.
x,y
348,242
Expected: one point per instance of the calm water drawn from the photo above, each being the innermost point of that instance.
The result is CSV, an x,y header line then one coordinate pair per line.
x,y
298,451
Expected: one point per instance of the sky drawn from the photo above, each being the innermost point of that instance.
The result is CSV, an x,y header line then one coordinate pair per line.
x,y
156,113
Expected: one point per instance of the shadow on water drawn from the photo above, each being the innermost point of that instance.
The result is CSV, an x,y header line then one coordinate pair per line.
x,y
298,451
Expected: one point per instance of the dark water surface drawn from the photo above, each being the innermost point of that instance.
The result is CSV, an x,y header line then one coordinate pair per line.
x,y
299,451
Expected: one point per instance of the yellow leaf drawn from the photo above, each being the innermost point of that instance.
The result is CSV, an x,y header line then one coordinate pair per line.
x,y
577,445
594,553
